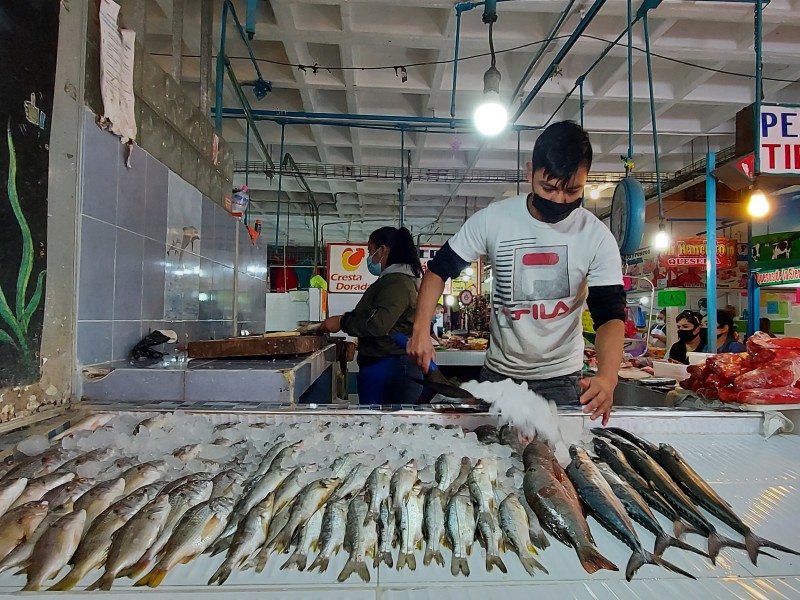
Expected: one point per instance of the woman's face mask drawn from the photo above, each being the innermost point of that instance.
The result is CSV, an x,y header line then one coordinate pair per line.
x,y
373,266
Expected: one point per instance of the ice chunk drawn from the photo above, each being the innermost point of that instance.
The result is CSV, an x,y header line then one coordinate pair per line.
x,y
35,444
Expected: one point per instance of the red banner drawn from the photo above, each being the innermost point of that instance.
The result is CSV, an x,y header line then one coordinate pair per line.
x,y
692,253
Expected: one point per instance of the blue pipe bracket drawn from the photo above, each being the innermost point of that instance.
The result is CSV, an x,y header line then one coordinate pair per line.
x,y
711,249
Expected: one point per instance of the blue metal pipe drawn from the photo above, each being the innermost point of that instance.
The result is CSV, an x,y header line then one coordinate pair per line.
x,y
459,10
280,182
630,86
753,291
711,250
759,89
402,175
519,155
348,120
227,7
653,116
591,13
250,19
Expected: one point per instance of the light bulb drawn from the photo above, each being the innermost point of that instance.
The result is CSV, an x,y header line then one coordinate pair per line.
x,y
469,271
594,194
644,301
662,240
449,300
758,206
491,117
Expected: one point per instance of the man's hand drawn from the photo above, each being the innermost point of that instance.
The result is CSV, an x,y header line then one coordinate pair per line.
x,y
598,397
331,325
420,348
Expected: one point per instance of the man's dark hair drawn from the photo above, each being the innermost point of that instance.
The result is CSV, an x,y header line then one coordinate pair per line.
x,y
561,150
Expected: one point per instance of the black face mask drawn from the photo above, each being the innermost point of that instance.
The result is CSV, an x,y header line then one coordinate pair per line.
x,y
686,335
553,212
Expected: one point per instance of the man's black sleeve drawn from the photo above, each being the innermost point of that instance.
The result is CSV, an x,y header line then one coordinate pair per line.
x,y
606,302
447,264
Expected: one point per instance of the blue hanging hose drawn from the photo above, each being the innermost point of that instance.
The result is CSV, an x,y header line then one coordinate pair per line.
x,y
280,183
758,21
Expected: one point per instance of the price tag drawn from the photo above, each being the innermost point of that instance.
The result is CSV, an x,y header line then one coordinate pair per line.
x,y
671,298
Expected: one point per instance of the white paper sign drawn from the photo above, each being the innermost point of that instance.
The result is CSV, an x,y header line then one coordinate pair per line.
x,y
116,73
780,139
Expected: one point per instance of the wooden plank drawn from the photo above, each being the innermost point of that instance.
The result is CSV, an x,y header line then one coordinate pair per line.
x,y
256,346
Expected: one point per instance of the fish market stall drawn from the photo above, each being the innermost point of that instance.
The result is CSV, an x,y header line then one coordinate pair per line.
x,y
220,481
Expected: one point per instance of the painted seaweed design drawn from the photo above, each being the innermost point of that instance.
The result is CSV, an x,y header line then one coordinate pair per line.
x,y
16,321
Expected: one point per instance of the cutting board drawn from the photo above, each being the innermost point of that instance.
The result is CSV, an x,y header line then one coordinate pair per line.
x,y
257,346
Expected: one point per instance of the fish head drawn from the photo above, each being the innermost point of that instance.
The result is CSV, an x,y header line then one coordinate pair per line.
x,y
411,465
221,505
158,506
603,448
667,450
34,512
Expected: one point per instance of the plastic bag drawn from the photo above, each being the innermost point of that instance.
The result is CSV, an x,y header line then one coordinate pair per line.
x,y
729,366
780,395
779,373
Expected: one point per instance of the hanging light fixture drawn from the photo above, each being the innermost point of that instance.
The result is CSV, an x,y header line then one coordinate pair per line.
x,y
491,116
594,193
662,238
758,205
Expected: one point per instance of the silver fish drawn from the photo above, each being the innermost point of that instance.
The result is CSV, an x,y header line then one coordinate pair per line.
x,y
90,423
53,550
10,490
181,500
307,539
19,523
461,478
37,488
187,453
143,474
99,455
491,537
514,523
377,488
434,526
402,481
197,530
481,488
67,493
95,545
226,481
334,522
342,465
460,528
20,555
309,500
387,530
360,540
353,483
133,539
446,469
98,499
155,422
411,516
249,537
190,478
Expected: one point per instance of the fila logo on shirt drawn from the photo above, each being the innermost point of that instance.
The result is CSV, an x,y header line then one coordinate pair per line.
x,y
541,311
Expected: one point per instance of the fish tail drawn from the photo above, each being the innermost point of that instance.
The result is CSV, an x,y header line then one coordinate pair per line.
x,y
681,528
32,586
431,555
219,546
321,563
384,557
69,581
297,560
459,565
493,560
406,559
354,566
530,564
717,542
282,540
153,578
657,560
221,575
664,541
103,583
592,560
540,540
262,557
753,543
136,570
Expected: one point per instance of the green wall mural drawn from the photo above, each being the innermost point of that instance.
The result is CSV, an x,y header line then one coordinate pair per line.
x,y
28,45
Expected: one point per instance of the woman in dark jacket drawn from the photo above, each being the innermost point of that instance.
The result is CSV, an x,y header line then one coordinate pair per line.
x,y
691,337
387,307
726,335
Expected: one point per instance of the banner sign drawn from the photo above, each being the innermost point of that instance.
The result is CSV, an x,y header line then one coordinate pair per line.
x,y
780,139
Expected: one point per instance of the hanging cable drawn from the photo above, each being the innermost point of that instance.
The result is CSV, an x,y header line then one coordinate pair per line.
x,y
655,130
629,162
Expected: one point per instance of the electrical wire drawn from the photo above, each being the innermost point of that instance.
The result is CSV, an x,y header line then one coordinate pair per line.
x,y
316,68
491,44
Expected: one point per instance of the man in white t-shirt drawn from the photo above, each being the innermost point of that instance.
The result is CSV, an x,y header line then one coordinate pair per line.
x,y
550,257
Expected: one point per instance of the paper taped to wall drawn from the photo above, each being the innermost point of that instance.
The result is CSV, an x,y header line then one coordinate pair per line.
x,y
116,73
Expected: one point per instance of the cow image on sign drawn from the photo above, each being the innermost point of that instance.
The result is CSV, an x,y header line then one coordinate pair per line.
x,y
780,139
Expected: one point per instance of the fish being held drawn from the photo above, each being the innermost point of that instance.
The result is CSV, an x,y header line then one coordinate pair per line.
x,y
599,498
553,498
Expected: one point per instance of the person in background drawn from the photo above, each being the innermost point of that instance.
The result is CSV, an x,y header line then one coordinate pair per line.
x,y
658,333
733,312
765,325
726,340
437,324
691,337
386,308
